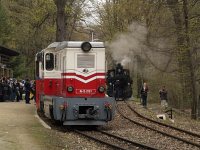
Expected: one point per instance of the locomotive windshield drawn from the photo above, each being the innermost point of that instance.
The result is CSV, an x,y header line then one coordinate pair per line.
x,y
49,57
85,61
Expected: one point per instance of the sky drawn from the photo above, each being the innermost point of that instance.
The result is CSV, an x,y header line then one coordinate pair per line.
x,y
90,11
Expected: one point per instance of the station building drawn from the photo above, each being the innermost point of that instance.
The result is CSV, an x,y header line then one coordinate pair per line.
x,y
5,56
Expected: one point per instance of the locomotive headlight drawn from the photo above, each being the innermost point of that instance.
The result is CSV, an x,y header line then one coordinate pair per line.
x,y
86,46
70,89
101,89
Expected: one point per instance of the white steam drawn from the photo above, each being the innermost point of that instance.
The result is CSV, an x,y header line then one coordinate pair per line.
x,y
132,50
126,45
126,60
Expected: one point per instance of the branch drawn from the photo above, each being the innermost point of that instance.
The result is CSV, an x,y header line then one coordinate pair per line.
x,y
194,3
39,24
162,70
160,50
195,16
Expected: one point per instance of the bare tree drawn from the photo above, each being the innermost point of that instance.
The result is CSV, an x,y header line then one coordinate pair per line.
x,y
60,20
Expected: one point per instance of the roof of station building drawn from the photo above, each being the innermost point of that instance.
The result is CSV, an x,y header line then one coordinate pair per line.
x,y
8,52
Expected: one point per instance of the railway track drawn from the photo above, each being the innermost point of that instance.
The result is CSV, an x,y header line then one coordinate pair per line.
x,y
163,124
121,143
113,141
162,128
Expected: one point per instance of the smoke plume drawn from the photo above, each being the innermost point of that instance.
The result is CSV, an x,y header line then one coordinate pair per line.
x,y
126,45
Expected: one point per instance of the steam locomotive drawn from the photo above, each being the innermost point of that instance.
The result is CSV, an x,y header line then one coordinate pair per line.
x,y
71,83
119,83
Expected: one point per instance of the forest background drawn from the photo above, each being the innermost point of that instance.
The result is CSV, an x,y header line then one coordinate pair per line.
x,y
158,40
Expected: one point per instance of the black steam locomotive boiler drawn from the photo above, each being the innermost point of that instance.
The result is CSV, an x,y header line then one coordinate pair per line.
x,y
119,83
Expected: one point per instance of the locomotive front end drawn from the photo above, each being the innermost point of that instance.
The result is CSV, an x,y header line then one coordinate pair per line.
x,y
74,89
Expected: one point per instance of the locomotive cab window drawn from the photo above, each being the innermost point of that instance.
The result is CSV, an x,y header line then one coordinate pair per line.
x,y
85,61
49,60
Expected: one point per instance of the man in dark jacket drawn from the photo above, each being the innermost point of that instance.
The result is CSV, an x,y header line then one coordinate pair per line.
x,y
6,90
144,93
27,91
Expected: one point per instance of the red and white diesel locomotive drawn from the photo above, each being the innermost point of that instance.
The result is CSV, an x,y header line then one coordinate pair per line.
x,y
70,83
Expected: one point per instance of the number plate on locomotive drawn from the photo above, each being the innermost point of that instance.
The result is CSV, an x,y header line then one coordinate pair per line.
x,y
85,91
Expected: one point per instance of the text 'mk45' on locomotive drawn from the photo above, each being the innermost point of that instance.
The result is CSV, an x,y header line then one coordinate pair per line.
x,y
71,83
119,83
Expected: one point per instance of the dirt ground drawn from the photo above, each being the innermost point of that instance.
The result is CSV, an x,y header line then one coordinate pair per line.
x,y
21,130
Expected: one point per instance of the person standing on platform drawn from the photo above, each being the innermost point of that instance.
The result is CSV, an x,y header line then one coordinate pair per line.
x,y
27,91
6,90
17,91
33,89
1,91
21,89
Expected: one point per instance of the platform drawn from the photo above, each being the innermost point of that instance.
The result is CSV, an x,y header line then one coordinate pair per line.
x,y
20,129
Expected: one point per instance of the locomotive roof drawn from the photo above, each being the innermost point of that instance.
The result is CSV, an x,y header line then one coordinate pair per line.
x,y
73,44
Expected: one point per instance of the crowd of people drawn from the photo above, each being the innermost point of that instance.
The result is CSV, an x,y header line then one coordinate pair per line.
x,y
12,89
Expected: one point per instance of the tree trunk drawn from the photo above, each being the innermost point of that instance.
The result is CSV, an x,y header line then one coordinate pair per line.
x,y
184,55
198,98
60,20
190,62
139,74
